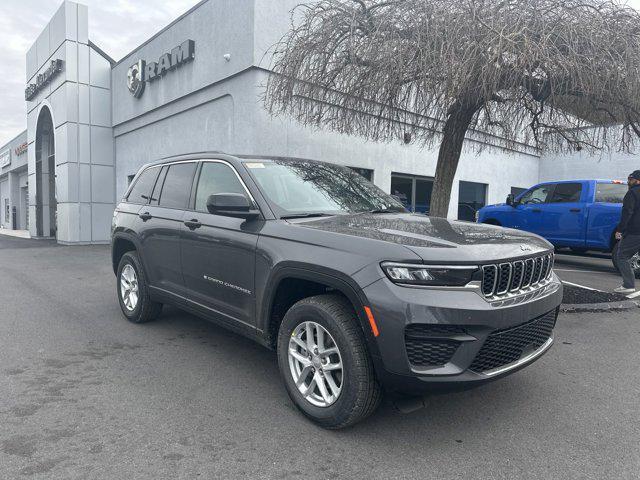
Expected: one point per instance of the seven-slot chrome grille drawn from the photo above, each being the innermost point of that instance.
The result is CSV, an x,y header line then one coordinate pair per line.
x,y
511,278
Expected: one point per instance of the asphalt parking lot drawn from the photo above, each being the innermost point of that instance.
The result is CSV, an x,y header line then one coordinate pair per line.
x,y
86,395
591,270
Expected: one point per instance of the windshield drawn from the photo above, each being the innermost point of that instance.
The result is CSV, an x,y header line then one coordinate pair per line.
x,y
301,187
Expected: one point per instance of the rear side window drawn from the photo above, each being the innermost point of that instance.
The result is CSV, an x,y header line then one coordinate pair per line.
x,y
177,185
142,188
155,196
611,192
566,193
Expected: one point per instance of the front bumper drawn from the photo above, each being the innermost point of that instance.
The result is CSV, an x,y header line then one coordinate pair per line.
x,y
435,339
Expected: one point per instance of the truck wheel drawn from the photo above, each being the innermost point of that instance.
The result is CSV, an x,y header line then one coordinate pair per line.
x,y
133,291
324,362
635,261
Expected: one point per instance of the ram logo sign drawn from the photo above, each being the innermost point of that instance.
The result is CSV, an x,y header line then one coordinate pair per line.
x,y
142,72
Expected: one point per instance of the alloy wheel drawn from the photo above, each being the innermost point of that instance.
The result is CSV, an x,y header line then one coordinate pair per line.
x,y
129,287
315,364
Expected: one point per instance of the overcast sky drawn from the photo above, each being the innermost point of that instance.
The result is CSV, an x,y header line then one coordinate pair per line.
x,y
117,26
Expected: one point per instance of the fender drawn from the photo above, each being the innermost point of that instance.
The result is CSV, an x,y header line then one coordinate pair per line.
x,y
123,235
324,275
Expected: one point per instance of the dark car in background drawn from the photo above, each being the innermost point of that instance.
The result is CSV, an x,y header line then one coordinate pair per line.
x,y
356,295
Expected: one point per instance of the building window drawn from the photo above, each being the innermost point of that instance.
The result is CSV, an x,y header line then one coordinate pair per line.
x,y
472,197
515,191
413,191
365,172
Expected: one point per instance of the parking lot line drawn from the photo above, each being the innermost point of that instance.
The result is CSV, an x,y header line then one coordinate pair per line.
x,y
570,270
581,286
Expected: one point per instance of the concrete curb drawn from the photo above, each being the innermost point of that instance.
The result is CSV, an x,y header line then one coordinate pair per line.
x,y
599,307
15,233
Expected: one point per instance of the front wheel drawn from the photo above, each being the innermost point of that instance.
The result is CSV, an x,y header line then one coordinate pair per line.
x,y
324,362
635,261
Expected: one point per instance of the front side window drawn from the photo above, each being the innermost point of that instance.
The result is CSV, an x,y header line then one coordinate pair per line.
x,y
611,192
536,195
141,190
177,185
216,178
566,193
300,187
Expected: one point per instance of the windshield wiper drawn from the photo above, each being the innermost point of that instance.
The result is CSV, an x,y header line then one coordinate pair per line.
x,y
385,210
306,215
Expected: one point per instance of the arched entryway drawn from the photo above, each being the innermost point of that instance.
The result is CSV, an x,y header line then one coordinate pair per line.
x,y
46,204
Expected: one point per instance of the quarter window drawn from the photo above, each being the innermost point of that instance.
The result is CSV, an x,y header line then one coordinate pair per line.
x,y
142,188
177,185
216,178
566,193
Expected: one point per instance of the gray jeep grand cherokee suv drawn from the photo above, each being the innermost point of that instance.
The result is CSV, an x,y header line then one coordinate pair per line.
x,y
354,293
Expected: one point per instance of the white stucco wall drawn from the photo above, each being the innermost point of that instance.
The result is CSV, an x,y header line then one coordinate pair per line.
x,y
582,165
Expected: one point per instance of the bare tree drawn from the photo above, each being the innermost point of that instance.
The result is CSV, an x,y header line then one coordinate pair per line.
x,y
557,74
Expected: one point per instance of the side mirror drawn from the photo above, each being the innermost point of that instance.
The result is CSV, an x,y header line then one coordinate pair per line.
x,y
510,200
231,205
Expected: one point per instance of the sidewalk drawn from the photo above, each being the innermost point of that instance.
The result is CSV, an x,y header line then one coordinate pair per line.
x,y
15,233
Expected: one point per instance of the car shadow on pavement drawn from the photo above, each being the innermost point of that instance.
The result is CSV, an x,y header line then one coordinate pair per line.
x,y
255,374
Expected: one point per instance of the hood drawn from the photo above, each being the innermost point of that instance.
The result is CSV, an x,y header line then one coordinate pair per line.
x,y
435,239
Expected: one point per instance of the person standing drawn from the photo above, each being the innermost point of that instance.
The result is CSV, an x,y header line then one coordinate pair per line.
x,y
628,234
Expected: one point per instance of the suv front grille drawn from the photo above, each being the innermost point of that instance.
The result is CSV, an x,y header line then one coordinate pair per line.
x,y
428,346
513,277
503,347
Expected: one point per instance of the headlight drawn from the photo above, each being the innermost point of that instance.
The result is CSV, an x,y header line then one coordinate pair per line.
x,y
434,275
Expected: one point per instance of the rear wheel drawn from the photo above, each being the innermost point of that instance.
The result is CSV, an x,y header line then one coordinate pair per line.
x,y
133,291
324,362
635,261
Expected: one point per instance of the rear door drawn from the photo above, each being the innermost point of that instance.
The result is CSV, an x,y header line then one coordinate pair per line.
x,y
564,216
218,252
162,226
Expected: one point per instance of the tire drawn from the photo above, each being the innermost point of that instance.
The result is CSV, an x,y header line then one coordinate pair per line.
x,y
359,393
144,310
636,263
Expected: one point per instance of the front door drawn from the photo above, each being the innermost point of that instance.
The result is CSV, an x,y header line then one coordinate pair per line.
x,y
528,211
218,252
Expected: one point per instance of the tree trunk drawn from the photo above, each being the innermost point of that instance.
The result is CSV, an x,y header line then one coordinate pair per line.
x,y
454,131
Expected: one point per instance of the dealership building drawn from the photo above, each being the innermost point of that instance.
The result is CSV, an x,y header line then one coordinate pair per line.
x,y
197,85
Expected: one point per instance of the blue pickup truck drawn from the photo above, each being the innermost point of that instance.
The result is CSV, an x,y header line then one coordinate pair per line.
x,y
579,214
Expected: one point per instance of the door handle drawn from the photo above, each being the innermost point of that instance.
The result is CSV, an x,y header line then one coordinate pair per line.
x,y
575,210
192,224
145,216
